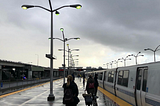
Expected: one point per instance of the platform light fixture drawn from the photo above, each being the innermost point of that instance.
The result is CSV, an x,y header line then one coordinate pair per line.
x,y
51,97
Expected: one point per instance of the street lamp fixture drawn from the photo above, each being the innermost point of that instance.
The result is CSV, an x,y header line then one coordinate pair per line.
x,y
51,97
61,29
78,6
75,56
27,6
126,59
64,41
136,56
69,55
111,63
57,13
107,65
116,61
69,51
154,51
37,59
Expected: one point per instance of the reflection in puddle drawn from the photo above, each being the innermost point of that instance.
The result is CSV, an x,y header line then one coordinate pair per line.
x,y
106,100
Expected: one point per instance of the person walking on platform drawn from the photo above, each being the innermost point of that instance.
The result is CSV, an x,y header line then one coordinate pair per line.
x,y
73,76
90,85
96,84
70,92
83,80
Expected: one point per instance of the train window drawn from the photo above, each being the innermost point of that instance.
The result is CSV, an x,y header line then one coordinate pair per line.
x,y
145,74
110,76
139,79
123,78
120,76
105,77
100,76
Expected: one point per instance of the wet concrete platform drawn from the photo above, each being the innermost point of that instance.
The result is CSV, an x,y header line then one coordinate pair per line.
x,y
37,96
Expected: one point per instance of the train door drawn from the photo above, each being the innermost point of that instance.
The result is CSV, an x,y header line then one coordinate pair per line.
x,y
140,88
115,78
104,78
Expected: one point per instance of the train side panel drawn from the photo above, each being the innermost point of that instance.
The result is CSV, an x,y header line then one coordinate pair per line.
x,y
109,79
153,85
100,77
125,85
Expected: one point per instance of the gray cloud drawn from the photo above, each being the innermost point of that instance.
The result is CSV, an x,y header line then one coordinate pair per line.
x,y
123,25
129,25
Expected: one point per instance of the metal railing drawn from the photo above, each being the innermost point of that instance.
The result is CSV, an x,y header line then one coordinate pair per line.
x,y
7,86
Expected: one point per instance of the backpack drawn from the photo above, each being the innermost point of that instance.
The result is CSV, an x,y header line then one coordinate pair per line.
x,y
68,96
91,85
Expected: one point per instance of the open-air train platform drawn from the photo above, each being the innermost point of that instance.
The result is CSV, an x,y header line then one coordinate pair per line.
x,y
37,96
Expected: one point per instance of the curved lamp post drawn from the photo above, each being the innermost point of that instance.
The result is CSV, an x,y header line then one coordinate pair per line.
x,y
64,41
136,56
154,51
51,97
74,56
111,63
69,51
116,61
37,59
72,62
106,64
126,59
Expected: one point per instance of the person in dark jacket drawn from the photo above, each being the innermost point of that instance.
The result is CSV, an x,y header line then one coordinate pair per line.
x,y
90,90
96,84
73,76
71,85
83,80
76,99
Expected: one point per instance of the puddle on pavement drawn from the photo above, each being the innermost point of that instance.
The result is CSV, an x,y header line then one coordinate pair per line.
x,y
105,100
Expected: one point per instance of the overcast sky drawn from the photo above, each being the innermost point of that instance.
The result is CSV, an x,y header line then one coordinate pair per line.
x,y
108,30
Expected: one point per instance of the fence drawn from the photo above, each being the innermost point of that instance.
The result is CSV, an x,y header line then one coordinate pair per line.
x,y
10,86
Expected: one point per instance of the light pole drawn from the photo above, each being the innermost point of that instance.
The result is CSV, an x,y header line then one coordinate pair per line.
x,y
136,56
29,62
73,63
116,61
106,64
71,56
74,56
37,59
126,59
111,63
51,97
64,41
69,51
153,51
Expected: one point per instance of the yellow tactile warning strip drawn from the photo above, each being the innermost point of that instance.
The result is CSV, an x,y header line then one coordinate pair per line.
x,y
2,96
118,101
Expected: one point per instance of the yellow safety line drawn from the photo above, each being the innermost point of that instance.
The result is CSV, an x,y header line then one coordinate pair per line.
x,y
2,96
119,101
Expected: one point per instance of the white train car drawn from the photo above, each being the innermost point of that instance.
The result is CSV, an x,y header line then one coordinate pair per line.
x,y
125,83
100,77
109,80
138,85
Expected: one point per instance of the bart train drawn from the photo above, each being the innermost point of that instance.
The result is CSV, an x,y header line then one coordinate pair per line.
x,y
138,85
